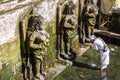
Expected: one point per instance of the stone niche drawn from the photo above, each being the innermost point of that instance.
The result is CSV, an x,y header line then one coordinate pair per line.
x,y
47,9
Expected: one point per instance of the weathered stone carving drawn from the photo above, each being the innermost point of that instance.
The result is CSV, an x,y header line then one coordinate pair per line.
x,y
67,26
37,41
90,12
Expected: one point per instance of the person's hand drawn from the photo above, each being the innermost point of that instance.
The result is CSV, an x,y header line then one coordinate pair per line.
x,y
91,46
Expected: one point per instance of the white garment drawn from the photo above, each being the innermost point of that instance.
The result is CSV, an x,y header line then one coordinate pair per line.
x,y
99,45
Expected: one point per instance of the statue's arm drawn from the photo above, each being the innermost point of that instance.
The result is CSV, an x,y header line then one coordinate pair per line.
x,y
91,14
34,45
46,42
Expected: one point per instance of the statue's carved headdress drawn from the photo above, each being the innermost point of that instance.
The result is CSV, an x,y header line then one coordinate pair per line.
x,y
69,8
35,22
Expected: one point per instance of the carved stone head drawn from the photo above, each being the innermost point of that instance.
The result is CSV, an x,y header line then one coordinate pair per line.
x,y
93,1
69,8
36,23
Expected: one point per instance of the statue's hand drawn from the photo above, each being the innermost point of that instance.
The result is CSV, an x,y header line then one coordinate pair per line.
x,y
46,42
41,46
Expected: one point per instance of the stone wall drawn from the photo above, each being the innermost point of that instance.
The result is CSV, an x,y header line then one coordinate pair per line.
x,y
11,13
9,34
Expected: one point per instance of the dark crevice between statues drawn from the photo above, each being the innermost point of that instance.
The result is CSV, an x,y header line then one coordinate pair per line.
x,y
24,55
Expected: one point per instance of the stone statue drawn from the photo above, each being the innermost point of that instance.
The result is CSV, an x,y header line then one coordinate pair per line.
x,y
38,41
68,24
90,12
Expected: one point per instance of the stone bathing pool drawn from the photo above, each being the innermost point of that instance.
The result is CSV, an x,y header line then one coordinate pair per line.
x,y
82,70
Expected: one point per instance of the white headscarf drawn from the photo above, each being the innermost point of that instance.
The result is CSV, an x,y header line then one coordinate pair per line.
x,y
92,37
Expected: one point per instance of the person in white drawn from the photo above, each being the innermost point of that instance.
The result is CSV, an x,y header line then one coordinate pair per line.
x,y
99,44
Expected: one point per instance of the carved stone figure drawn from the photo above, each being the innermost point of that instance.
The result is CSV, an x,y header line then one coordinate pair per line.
x,y
68,25
38,40
90,12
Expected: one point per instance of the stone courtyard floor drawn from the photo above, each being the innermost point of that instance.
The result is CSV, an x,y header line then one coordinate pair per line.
x,y
82,68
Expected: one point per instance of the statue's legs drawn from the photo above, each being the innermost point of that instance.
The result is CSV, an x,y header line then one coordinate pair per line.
x,y
89,30
67,48
38,68
92,30
66,41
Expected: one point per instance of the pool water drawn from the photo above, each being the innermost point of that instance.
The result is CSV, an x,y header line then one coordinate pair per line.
x,y
83,67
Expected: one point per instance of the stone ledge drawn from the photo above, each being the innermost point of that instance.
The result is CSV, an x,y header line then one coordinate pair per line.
x,y
2,2
19,6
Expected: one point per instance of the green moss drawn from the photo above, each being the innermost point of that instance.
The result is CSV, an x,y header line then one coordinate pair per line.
x,y
7,74
20,0
10,52
51,51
